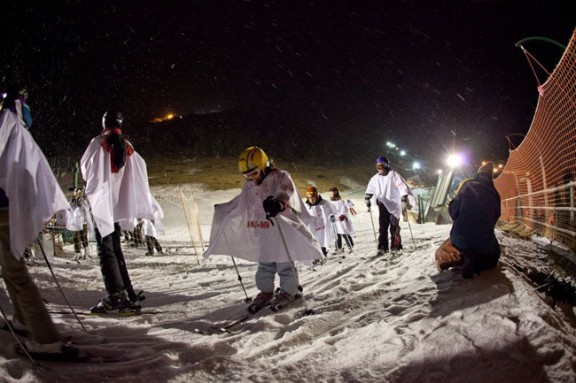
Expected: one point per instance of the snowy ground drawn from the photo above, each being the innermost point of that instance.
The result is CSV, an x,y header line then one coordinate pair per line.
x,y
375,320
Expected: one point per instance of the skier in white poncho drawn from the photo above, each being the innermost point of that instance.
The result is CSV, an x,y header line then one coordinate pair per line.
x,y
264,224
117,189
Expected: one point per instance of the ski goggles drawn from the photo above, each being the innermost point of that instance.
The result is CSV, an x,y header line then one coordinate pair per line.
x,y
252,174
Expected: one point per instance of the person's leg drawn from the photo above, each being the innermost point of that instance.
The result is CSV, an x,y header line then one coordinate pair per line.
x,y
384,224
339,241
350,240
395,233
288,277
109,264
157,245
488,261
121,263
77,242
29,308
149,245
265,276
84,236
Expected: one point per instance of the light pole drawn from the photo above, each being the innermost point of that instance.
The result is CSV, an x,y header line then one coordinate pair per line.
x,y
511,145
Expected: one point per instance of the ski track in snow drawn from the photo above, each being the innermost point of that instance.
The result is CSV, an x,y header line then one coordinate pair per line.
x,y
376,319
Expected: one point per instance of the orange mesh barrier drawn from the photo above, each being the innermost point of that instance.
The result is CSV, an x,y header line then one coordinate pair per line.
x,y
538,183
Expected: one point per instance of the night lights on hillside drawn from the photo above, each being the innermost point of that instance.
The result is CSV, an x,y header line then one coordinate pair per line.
x,y
167,117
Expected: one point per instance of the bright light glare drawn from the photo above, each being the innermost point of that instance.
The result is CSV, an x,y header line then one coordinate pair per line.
x,y
402,152
455,160
416,165
169,116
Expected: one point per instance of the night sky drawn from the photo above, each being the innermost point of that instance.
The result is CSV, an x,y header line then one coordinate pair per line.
x,y
411,71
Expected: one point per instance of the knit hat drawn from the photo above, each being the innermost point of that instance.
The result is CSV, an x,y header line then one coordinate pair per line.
x,y
488,168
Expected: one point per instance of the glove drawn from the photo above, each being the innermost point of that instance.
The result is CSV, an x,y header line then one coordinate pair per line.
x,y
404,203
332,218
272,206
367,199
342,218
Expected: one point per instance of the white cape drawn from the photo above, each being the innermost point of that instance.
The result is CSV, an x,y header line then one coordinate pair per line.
x,y
240,227
320,225
118,196
342,209
388,190
26,177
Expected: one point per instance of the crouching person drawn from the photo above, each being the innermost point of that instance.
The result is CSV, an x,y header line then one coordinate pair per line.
x,y
475,211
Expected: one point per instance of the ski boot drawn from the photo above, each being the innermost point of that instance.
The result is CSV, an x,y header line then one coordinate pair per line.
x,y
135,299
282,299
261,300
113,302
381,252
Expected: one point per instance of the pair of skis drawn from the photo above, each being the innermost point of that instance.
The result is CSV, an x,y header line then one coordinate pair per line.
x,y
230,325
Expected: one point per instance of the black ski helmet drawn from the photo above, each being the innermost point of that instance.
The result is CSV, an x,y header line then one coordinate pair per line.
x,y
112,119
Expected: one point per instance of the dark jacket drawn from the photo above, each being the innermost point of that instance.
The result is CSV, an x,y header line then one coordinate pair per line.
x,y
475,211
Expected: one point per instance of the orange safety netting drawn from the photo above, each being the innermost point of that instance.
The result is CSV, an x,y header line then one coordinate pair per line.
x,y
537,185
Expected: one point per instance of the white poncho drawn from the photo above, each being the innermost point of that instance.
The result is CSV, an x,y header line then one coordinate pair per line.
x,y
29,183
118,196
240,227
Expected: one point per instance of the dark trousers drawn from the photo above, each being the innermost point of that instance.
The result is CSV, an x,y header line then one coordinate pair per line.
x,y
80,239
137,235
151,243
388,221
474,262
348,240
112,264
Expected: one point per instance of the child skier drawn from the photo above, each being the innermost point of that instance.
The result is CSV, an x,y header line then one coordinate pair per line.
x,y
264,224
320,224
342,222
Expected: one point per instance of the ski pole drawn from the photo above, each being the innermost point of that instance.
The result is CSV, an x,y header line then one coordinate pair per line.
x,y
307,311
348,242
248,299
412,235
335,232
58,284
9,325
373,228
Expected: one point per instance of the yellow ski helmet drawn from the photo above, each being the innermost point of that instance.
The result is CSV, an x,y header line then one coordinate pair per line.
x,y
253,158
